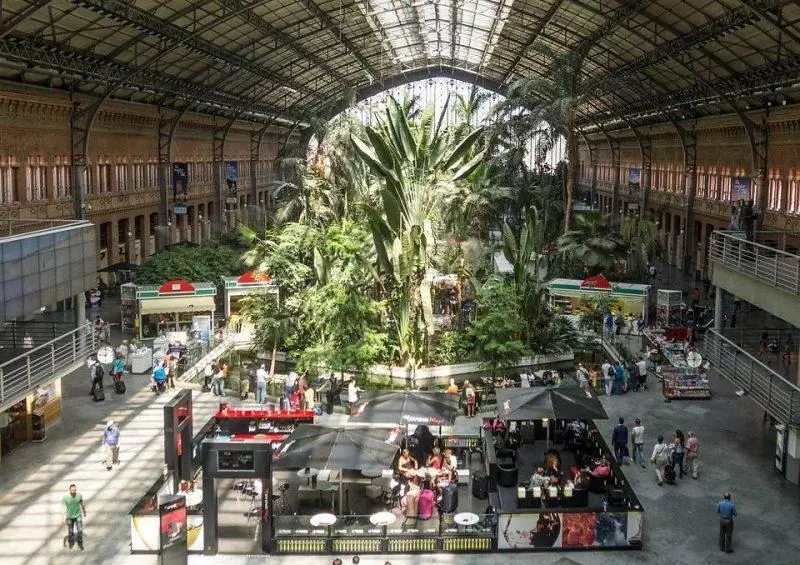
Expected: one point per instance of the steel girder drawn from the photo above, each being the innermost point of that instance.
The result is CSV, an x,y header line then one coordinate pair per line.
x,y
80,66
535,34
9,25
121,10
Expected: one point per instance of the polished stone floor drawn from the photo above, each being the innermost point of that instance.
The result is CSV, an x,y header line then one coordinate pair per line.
x,y
737,453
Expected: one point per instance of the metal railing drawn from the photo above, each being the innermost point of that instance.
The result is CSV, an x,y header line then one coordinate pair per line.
x,y
18,226
779,397
769,265
62,355
19,334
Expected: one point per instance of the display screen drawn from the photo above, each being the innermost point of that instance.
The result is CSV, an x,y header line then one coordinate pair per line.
x,y
235,461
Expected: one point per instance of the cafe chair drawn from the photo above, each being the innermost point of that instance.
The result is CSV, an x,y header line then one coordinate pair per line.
x,y
597,485
507,470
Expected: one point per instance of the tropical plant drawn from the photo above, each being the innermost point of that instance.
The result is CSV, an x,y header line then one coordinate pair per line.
x,y
497,331
417,163
592,243
553,99
263,313
472,205
309,197
641,237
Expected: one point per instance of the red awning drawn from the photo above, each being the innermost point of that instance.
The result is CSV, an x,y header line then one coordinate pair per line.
x,y
596,281
254,277
176,285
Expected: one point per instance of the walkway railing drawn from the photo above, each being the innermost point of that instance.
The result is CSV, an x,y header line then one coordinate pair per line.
x,y
18,226
769,265
23,374
779,397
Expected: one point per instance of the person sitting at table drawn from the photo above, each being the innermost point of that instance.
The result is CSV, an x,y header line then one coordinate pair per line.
x,y
581,481
450,458
407,465
499,427
409,501
435,460
453,387
446,476
426,501
552,461
539,479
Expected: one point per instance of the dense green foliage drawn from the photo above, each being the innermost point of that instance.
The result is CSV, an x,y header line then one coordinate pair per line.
x,y
208,262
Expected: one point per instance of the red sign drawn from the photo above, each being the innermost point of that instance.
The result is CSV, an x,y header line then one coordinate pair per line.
x,y
596,281
176,285
254,277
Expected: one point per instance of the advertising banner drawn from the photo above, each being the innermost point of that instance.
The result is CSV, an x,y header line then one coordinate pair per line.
x,y
180,180
740,188
172,519
231,176
571,530
634,182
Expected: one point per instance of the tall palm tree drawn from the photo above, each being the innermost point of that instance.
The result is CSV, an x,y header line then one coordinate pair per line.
x,y
468,107
553,99
473,204
416,164
592,242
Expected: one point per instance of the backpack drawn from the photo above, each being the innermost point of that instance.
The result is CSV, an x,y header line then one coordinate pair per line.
x,y
99,371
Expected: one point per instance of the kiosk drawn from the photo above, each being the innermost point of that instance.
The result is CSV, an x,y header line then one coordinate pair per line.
x,y
251,281
173,306
566,295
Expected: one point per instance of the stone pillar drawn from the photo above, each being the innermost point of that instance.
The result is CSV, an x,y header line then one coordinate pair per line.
x,y
718,309
130,240
195,224
113,243
680,248
145,239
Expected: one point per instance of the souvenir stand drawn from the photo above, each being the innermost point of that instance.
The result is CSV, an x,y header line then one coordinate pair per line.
x,y
175,306
566,295
236,287
681,374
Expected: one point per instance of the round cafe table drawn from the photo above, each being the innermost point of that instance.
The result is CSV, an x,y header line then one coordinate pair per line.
x,y
372,473
323,519
427,472
383,518
466,519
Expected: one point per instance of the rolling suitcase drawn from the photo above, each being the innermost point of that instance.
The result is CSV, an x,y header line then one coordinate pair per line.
x,y
98,394
119,387
450,498
480,486
425,504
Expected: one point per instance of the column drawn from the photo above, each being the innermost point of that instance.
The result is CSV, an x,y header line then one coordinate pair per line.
x,y
145,239
130,241
186,226
113,242
680,248
195,224
718,309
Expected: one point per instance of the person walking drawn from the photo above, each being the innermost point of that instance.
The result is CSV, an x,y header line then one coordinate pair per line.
x,y
74,513
727,512
637,440
117,368
96,372
692,452
619,439
208,375
218,382
111,444
619,378
660,458
679,444
289,384
608,378
261,384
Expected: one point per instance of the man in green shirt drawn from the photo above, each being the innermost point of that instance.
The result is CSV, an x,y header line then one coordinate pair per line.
x,y
74,513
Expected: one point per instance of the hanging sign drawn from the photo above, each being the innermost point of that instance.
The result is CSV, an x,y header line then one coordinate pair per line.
x,y
180,179
179,209
740,188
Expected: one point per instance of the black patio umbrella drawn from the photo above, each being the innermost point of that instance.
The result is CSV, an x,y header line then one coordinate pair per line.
x,y
407,407
561,403
320,447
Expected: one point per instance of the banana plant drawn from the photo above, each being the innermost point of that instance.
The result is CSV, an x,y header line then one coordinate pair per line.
x,y
416,163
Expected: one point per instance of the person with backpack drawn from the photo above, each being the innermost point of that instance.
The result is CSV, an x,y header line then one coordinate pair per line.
x,y
97,372
660,457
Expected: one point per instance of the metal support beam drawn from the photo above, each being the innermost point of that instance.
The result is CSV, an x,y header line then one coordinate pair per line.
x,y
218,170
8,25
688,138
81,118
614,146
758,140
646,152
167,125
534,35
